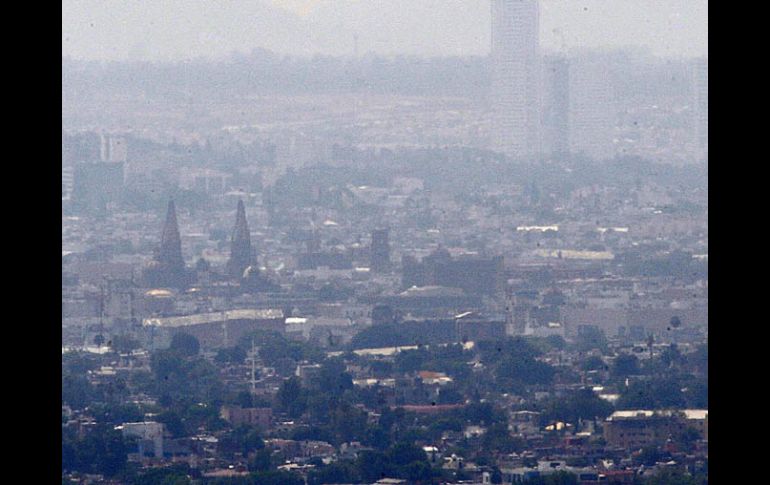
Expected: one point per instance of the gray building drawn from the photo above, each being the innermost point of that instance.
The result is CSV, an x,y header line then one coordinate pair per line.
x,y
516,73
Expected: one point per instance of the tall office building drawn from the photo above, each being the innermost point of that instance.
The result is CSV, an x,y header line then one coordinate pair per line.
x,y
380,250
112,148
516,77
556,105
592,107
701,104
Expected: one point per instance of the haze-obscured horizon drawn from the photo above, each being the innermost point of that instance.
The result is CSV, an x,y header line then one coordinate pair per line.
x,y
176,30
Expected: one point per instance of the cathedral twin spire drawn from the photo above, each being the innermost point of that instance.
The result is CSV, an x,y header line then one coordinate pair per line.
x,y
241,256
171,266
170,253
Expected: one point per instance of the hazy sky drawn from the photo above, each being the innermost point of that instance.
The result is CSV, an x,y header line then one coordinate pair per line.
x,y
177,29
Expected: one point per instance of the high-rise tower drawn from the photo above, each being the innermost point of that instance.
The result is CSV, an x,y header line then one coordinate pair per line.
x,y
592,107
701,104
241,256
516,73
380,250
556,105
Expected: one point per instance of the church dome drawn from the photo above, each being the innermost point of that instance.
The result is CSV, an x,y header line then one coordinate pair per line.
x,y
159,293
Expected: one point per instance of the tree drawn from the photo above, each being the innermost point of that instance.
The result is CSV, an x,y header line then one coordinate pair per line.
x,y
372,465
78,363
686,439
671,356
556,342
178,379
675,477
168,475
231,355
241,440
292,399
385,335
556,478
185,344
592,363
116,413
411,360
341,471
499,439
525,371
164,364
417,472
698,361
101,450
562,478
77,391
514,363
583,404
496,476
661,393
347,422
173,423
590,338
697,394
331,292
675,322
262,461
274,477
276,351
244,399
381,368
449,395
333,377
124,344
625,365
404,453
99,340
480,413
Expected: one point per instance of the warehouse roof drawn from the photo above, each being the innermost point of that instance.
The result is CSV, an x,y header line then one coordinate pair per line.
x,y
203,318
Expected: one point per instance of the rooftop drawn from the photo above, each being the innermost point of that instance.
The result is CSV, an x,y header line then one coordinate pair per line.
x,y
203,318
646,413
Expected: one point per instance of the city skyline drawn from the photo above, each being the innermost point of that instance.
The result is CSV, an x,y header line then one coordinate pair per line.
x,y
484,268
170,30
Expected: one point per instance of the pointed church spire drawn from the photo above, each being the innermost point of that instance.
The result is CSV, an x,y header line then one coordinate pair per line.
x,y
170,252
240,245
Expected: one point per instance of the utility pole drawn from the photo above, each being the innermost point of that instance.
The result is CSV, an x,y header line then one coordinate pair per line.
x,y
253,367
224,328
650,342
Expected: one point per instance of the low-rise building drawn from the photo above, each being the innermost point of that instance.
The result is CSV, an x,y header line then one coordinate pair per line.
x,y
238,416
637,428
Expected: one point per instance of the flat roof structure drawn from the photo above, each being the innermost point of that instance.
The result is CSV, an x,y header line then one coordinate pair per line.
x,y
204,318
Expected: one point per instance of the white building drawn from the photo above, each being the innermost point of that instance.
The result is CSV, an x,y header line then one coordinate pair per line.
x,y
67,180
113,148
516,77
146,432
205,180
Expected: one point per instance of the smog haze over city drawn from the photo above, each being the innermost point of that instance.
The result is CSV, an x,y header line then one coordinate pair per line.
x,y
383,242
